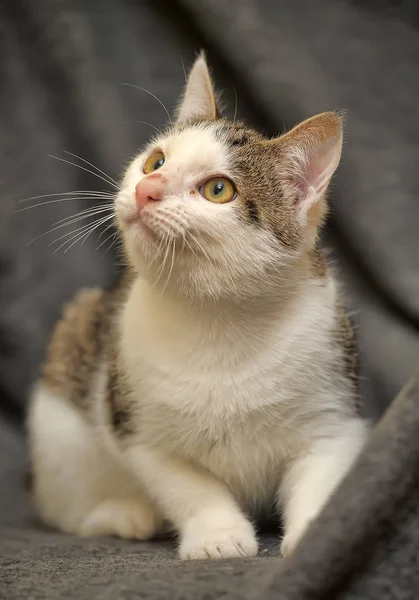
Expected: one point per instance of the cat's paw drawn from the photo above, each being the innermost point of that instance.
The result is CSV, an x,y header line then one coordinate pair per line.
x,y
202,540
130,519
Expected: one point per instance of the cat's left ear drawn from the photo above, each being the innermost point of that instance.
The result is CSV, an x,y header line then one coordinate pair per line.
x,y
307,157
199,100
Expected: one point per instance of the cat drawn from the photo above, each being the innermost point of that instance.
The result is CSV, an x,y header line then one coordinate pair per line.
x,y
216,382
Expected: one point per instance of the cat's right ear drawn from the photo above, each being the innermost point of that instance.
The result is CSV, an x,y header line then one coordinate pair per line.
x,y
199,100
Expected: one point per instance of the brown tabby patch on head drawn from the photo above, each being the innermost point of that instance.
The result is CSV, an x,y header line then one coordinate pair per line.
x,y
259,184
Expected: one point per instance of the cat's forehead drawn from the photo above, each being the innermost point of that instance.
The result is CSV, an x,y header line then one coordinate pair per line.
x,y
195,146
206,143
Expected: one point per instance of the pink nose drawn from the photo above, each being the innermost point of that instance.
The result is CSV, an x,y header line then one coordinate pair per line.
x,y
149,189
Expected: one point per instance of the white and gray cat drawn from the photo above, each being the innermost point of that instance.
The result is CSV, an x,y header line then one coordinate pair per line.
x,y
216,382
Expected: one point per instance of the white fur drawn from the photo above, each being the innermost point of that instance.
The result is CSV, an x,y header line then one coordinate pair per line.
x,y
246,422
79,486
227,346
249,409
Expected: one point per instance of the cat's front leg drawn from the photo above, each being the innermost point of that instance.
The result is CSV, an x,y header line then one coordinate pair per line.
x,y
209,521
311,478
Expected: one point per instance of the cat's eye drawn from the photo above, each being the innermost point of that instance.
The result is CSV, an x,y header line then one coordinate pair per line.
x,y
218,190
153,162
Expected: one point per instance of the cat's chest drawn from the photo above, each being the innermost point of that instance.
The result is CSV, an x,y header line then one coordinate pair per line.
x,y
198,383
220,417
175,362
243,448
204,385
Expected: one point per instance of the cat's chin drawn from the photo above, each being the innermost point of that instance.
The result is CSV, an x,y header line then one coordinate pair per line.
x,y
136,227
144,229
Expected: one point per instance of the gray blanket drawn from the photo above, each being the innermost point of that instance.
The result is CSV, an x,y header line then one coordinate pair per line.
x,y
61,68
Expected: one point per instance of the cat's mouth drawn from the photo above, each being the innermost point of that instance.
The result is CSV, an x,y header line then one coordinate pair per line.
x,y
159,226
137,223
156,224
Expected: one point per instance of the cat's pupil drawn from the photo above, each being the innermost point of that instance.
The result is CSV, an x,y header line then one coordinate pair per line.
x,y
159,163
218,188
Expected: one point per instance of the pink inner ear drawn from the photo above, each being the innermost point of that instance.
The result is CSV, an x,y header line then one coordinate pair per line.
x,y
321,164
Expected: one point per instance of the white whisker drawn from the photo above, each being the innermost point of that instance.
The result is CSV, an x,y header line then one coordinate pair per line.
x,y
113,234
158,250
190,247
80,232
204,252
236,105
70,221
58,200
86,212
116,236
171,266
145,123
138,87
84,169
108,177
183,67
104,231
163,264
73,231
86,235
78,192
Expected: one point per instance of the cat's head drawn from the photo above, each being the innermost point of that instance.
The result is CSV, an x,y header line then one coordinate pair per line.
x,y
211,208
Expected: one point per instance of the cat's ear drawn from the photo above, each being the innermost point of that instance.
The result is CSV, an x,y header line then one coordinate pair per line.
x,y
199,100
307,157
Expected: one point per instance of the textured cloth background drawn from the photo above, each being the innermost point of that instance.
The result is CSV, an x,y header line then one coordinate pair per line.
x,y
62,65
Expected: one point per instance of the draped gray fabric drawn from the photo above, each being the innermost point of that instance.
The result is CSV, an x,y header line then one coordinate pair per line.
x,y
62,66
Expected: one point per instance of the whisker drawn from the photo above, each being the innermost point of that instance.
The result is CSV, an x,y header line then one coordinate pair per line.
x,y
236,105
88,229
86,212
84,192
104,231
138,87
158,250
145,123
171,267
83,237
78,234
69,221
59,200
104,220
84,169
204,252
73,231
112,235
98,225
113,243
183,241
161,270
183,67
90,214
190,247
110,179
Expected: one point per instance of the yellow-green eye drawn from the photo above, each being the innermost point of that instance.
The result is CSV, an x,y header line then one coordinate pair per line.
x,y
154,162
218,190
